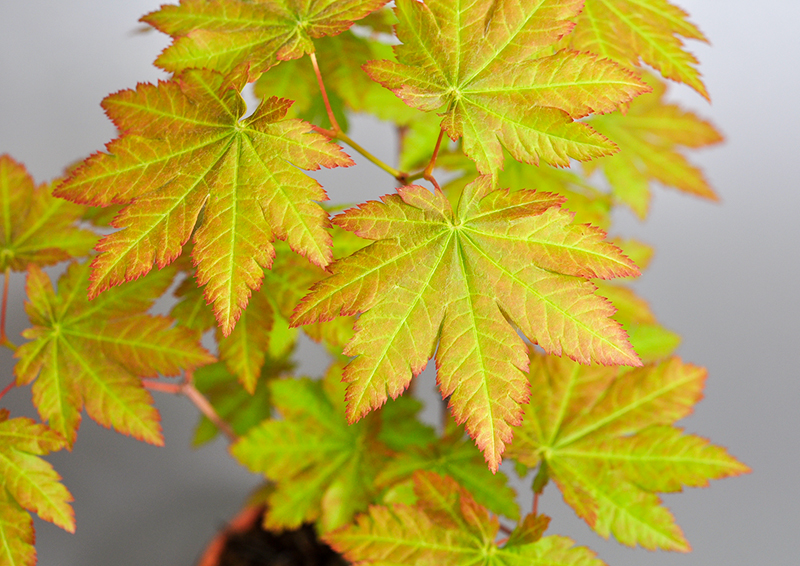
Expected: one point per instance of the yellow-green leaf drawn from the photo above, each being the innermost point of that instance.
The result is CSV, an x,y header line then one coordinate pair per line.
x,y
95,352
456,279
184,149
486,67
607,439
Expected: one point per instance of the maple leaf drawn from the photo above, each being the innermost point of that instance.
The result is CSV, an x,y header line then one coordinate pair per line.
x,y
94,352
250,36
482,64
34,226
27,481
628,31
454,458
435,275
184,150
324,468
649,136
606,437
446,527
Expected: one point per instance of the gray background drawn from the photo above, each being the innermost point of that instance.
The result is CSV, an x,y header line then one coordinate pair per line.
x,y
725,277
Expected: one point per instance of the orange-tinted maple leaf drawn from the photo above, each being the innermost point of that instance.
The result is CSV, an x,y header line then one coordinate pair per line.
x,y
34,226
649,135
185,149
93,352
628,31
447,527
234,34
28,479
485,65
606,437
457,278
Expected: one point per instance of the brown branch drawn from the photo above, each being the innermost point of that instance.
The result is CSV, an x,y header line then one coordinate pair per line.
x,y
8,388
199,400
4,341
328,109
428,173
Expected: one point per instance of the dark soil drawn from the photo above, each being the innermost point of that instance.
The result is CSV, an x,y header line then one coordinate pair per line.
x,y
257,547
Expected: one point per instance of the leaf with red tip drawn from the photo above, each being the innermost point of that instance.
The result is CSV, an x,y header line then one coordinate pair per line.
x,y
16,533
94,352
627,31
488,68
650,135
446,527
28,482
34,226
607,439
185,149
461,279
29,479
236,34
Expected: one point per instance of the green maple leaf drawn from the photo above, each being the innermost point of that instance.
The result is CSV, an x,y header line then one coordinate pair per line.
x,y
250,36
184,150
489,68
324,468
460,461
446,527
628,31
29,482
34,226
606,437
457,278
94,352
650,135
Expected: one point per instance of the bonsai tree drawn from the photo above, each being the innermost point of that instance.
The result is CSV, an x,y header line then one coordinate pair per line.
x,y
522,125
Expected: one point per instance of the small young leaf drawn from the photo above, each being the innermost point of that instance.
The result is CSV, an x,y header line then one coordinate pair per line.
x,y
608,442
458,278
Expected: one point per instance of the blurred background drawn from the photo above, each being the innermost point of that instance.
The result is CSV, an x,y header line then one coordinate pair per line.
x,y
725,277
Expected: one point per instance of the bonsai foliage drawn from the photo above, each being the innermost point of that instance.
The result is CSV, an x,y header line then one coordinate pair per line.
x,y
505,274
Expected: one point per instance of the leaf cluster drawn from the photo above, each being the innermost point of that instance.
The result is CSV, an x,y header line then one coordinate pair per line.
x,y
505,275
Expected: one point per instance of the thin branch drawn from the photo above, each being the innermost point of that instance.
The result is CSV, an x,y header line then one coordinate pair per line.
x,y
427,174
199,400
205,407
4,341
505,529
154,385
8,388
328,109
